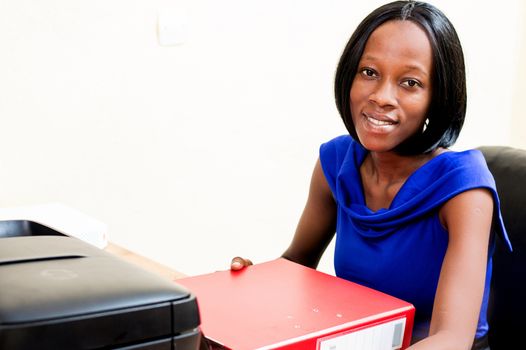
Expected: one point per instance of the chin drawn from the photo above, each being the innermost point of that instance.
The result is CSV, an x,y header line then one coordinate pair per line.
x,y
379,146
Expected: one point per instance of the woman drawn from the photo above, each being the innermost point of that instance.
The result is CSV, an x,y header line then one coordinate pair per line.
x,y
412,218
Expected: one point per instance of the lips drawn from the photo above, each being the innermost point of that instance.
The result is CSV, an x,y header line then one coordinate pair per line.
x,y
379,122
379,119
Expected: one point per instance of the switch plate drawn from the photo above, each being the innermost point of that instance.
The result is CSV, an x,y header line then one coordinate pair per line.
x,y
172,27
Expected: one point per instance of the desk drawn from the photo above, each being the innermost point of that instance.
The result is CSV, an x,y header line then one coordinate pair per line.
x,y
144,262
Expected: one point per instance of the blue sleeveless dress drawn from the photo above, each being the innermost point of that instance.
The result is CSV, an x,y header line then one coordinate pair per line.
x,y
399,250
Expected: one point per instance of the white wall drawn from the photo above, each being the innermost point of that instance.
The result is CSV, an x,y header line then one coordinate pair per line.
x,y
518,122
195,153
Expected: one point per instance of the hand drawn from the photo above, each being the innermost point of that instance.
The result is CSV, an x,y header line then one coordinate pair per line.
x,y
239,263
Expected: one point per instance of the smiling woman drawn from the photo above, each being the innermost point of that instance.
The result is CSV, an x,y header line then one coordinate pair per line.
x,y
391,93
436,55
412,218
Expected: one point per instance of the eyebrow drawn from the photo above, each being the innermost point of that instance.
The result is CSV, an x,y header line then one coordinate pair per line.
x,y
407,66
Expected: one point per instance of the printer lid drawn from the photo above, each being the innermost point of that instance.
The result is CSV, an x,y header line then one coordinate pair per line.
x,y
52,277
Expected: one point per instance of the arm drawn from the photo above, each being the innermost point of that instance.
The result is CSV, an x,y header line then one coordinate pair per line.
x,y
317,223
458,299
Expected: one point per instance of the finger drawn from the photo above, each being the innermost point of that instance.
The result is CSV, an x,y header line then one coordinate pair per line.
x,y
239,263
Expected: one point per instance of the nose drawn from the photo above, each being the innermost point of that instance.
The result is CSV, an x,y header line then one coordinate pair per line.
x,y
383,94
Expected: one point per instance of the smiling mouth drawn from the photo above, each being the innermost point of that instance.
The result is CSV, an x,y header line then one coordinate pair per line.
x,y
379,122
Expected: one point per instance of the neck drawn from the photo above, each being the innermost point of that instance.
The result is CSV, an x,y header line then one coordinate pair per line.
x,y
391,168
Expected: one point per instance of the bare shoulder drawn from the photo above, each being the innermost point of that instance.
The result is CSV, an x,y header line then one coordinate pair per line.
x,y
317,223
469,211
319,185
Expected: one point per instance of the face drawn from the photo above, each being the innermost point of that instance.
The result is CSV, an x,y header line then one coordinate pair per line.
x,y
391,91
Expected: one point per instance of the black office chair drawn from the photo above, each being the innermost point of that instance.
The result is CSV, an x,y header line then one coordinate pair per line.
x,y
507,309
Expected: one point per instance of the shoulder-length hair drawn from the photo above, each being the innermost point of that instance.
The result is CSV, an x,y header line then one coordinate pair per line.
x,y
447,107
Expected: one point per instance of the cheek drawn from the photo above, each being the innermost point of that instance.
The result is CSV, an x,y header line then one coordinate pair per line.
x,y
357,88
356,95
418,106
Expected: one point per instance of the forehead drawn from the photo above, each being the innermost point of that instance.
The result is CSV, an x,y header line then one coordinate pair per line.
x,y
399,40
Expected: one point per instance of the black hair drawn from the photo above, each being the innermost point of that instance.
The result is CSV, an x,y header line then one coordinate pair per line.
x,y
447,107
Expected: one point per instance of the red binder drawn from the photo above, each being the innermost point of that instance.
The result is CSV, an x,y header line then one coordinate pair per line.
x,y
283,305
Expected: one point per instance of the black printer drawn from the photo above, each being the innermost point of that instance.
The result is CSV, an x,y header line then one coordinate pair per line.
x,y
58,292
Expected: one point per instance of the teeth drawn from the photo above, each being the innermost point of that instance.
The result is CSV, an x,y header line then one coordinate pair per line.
x,y
379,122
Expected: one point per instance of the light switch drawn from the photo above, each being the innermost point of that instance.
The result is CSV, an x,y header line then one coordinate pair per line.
x,y
172,27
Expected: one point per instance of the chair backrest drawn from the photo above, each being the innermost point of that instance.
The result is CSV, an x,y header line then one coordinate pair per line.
x,y
507,310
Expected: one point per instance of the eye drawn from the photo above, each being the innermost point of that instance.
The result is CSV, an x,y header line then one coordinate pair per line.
x,y
368,72
411,83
